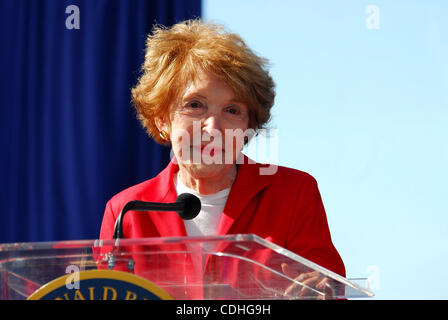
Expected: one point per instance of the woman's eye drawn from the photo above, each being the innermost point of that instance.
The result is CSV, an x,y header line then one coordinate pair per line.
x,y
233,110
194,105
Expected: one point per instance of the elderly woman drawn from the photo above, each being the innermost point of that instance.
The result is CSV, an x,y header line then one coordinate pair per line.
x,y
205,93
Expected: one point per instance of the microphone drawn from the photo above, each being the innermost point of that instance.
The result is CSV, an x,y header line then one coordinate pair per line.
x,y
187,207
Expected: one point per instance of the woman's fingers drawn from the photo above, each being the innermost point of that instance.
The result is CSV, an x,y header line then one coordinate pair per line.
x,y
325,286
305,279
312,285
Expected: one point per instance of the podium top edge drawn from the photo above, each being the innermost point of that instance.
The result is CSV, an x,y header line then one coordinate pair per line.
x,y
123,242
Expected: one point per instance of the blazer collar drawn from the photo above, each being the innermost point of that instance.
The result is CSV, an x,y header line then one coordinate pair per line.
x,y
248,183
166,188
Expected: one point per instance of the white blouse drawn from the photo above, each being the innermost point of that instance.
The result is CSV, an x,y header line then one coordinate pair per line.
x,y
206,223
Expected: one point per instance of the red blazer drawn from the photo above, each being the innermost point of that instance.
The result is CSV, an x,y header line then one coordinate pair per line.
x,y
285,208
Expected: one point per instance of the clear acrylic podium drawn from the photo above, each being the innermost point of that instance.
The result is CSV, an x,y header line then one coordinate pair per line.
x,y
224,267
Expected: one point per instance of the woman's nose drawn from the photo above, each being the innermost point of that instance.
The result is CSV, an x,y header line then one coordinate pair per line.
x,y
211,129
212,122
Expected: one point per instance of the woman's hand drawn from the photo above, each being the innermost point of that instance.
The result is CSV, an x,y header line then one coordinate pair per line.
x,y
313,285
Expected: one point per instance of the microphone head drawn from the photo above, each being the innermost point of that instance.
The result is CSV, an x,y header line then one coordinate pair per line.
x,y
192,206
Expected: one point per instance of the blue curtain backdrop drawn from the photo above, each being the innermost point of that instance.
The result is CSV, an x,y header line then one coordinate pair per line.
x,y
69,136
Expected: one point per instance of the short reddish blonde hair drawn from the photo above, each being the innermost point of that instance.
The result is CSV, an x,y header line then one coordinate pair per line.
x,y
174,56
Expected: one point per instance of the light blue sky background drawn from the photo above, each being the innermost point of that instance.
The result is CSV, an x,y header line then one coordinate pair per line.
x,y
365,111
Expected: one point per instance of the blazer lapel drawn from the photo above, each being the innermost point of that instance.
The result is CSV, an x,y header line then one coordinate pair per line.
x,y
169,224
248,183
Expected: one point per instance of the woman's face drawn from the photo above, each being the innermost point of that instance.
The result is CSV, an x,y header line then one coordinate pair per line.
x,y
208,126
